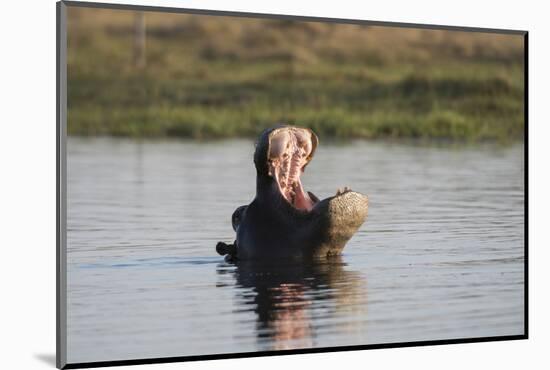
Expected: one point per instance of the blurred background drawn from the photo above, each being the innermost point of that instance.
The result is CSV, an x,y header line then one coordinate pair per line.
x,y
147,74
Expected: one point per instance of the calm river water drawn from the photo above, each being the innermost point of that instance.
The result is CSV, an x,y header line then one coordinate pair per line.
x,y
441,254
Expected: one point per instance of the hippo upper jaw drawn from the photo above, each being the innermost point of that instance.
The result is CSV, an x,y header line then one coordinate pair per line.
x,y
281,157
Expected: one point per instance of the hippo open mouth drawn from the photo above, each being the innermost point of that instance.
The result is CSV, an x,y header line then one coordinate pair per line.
x,y
284,221
290,150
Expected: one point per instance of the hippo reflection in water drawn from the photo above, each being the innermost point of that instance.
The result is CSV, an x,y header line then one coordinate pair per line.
x,y
302,305
283,220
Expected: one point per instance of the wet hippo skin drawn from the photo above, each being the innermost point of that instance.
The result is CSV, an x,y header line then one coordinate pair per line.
x,y
283,220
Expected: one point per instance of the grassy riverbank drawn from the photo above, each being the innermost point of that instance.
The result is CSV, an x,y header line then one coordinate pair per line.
x,y
213,77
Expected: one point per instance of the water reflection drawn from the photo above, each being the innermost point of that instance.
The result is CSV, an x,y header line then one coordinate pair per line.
x,y
291,300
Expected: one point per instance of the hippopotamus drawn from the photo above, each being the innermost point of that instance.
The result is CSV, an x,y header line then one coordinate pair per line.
x,y
284,221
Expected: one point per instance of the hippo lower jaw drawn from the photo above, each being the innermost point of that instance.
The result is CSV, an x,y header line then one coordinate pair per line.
x,y
285,221
341,216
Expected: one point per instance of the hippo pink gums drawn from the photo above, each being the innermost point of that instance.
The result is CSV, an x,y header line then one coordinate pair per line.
x,y
283,220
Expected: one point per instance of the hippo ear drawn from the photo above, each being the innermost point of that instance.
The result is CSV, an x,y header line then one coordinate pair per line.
x,y
314,143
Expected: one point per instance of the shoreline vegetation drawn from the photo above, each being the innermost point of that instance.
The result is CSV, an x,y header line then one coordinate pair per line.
x,y
210,77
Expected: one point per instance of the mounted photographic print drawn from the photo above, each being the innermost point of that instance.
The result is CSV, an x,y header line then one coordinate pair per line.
x,y
235,184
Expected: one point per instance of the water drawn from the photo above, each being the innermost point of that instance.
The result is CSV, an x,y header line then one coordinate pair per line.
x,y
440,256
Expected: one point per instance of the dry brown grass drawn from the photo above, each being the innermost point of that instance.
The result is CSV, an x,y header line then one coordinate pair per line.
x,y
227,76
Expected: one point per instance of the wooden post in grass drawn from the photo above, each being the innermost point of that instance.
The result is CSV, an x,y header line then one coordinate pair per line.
x,y
140,60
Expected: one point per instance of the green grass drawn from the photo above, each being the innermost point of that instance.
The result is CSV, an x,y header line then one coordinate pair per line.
x,y
218,77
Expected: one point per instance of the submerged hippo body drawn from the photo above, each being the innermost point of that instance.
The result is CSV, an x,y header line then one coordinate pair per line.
x,y
283,221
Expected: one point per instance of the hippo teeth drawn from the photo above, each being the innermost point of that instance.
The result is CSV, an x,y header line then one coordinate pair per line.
x,y
313,197
343,190
289,152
